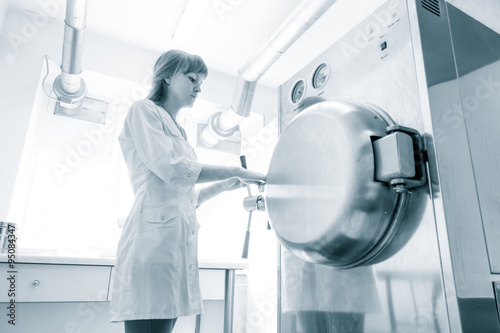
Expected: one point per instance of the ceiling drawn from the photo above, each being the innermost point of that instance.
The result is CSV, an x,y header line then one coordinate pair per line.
x,y
227,33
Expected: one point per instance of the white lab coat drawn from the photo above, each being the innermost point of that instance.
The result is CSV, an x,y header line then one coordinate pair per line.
x,y
156,270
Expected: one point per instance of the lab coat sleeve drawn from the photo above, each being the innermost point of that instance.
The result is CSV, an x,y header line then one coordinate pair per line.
x,y
155,148
196,197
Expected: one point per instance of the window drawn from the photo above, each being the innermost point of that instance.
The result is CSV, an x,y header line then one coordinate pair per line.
x,y
72,189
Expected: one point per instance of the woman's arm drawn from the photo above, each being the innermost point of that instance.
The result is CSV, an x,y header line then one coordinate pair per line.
x,y
228,178
211,191
210,173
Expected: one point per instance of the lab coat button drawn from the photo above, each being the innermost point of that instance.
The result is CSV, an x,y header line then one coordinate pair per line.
x,y
191,266
163,217
193,232
188,174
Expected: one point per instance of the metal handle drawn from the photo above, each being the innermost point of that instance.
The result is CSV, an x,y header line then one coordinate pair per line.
x,y
243,161
420,158
244,166
246,244
254,203
244,253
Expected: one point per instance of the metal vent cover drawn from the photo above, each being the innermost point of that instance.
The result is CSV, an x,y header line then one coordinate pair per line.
x,y
432,6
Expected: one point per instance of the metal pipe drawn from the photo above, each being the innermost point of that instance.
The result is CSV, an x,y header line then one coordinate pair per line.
x,y
229,300
69,86
302,18
246,243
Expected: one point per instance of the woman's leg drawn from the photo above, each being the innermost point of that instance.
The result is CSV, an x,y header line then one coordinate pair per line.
x,y
150,326
162,325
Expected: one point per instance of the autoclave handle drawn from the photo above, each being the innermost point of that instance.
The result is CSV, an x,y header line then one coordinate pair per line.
x,y
244,253
243,161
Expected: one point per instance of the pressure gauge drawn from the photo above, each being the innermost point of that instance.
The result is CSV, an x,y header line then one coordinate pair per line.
x,y
321,76
298,91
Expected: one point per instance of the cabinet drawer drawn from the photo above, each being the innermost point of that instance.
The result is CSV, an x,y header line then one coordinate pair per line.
x,y
57,283
212,284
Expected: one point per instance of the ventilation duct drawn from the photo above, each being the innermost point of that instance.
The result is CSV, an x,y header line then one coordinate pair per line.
x,y
222,125
69,86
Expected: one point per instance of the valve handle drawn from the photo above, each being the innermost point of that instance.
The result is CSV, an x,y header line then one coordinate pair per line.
x,y
244,253
243,161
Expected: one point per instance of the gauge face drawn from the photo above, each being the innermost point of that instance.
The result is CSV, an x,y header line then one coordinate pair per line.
x,y
298,91
321,76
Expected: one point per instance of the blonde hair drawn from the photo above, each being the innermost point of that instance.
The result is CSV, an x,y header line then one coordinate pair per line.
x,y
167,65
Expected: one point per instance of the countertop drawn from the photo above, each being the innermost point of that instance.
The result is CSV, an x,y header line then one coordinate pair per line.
x,y
97,258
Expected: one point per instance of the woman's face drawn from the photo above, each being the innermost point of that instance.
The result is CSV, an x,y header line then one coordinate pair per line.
x,y
184,88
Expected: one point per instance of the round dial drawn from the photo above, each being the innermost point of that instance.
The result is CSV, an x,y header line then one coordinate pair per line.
x,y
298,91
321,76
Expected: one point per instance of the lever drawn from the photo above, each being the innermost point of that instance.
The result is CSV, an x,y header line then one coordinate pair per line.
x,y
244,254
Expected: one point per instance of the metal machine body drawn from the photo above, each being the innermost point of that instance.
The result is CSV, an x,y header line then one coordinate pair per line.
x,y
433,68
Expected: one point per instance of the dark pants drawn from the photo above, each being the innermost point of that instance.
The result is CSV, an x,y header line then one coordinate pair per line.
x,y
150,326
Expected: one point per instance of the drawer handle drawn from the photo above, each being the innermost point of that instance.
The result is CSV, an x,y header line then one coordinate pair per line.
x,y
36,283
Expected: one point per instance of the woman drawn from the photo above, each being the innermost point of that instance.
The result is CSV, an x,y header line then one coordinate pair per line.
x,y
156,271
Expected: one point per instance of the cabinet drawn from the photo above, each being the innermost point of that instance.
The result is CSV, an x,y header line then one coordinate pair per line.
x,y
57,283
74,298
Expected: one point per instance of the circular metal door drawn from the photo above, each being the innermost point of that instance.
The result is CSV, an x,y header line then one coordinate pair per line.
x,y
323,202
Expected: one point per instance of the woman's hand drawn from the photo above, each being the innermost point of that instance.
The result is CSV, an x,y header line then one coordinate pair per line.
x,y
244,177
251,177
231,184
